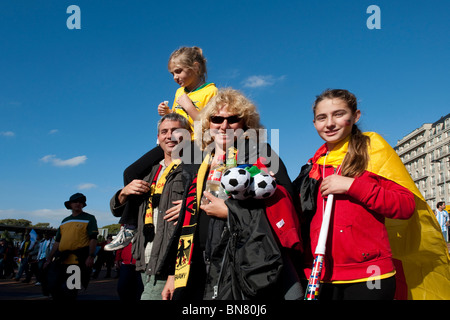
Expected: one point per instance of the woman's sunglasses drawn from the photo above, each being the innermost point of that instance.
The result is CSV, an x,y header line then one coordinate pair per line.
x,y
220,120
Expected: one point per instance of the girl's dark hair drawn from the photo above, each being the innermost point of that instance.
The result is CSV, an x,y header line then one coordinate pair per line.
x,y
357,157
187,56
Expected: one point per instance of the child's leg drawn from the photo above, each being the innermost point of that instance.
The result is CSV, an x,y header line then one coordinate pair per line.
x,y
129,219
138,170
142,167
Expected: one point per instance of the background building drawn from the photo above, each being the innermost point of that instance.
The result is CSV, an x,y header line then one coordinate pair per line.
x,y
426,154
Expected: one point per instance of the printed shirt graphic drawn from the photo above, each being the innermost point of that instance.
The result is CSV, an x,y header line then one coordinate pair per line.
x,y
75,232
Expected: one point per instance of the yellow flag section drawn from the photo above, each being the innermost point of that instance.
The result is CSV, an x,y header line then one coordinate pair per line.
x,y
417,242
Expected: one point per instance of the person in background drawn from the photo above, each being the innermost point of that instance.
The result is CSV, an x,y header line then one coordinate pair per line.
x,y
33,260
24,250
129,284
442,218
75,244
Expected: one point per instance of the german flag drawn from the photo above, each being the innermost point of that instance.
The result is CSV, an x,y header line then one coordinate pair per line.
x,y
421,255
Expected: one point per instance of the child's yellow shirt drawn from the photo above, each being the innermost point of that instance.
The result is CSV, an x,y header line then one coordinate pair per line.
x,y
199,97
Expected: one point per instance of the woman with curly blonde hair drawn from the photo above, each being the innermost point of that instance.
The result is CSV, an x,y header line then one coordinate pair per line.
x,y
243,110
230,123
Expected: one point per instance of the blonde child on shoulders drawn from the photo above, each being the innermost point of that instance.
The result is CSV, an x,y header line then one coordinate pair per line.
x,y
188,68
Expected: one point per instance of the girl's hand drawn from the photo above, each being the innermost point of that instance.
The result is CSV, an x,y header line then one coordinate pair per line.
x,y
216,208
187,105
335,184
163,108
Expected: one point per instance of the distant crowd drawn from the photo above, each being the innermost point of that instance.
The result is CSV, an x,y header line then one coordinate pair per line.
x,y
24,261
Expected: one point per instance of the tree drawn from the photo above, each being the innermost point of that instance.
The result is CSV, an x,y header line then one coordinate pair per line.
x,y
16,222
42,225
5,235
113,228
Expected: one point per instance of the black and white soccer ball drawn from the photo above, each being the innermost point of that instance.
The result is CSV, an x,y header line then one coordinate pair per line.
x,y
263,186
235,181
242,195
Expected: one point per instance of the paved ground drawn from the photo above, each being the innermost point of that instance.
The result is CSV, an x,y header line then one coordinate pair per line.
x,y
98,289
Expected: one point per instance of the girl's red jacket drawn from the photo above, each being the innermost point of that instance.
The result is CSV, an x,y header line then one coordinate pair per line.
x,y
358,245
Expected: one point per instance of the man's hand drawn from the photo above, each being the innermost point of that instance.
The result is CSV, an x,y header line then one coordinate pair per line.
x,y
135,187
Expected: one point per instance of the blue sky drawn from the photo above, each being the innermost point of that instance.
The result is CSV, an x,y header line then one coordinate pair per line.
x,y
78,106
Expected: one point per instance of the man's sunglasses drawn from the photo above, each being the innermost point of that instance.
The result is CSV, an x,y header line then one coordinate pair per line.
x,y
220,120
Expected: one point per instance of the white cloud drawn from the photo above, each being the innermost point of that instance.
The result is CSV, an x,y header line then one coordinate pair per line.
x,y
230,74
86,186
72,162
261,81
53,131
7,134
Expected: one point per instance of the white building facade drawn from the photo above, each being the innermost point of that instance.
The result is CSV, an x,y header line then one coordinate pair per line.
x,y
426,155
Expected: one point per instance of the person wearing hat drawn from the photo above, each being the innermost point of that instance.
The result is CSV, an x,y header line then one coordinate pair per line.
x,y
75,244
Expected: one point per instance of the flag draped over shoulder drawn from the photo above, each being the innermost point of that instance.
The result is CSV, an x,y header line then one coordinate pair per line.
x,y
417,244
419,250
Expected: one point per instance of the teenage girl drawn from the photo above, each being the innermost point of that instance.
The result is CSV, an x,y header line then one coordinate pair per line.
x,y
188,67
358,261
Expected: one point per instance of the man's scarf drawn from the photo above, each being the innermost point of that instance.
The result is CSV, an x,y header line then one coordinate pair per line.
x,y
156,189
419,250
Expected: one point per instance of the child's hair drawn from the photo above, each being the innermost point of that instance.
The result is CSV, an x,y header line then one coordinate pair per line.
x,y
187,56
357,157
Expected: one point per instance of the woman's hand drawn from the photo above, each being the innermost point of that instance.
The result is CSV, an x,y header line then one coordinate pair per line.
x,y
173,213
169,288
216,208
335,184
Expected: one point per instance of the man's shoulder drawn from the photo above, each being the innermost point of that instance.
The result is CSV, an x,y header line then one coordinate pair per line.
x,y
152,172
67,218
88,216
81,216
